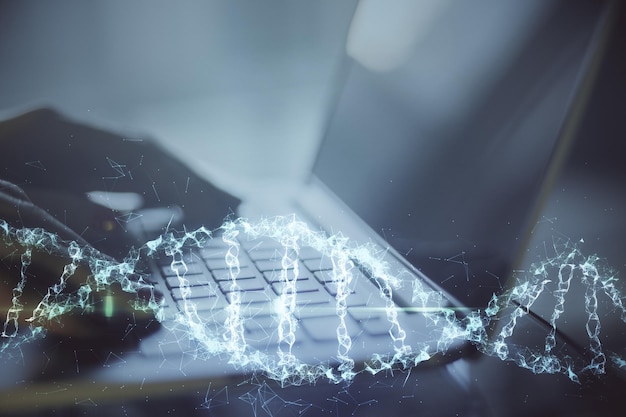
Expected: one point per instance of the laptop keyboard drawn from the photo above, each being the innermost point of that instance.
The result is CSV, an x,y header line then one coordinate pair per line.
x,y
259,285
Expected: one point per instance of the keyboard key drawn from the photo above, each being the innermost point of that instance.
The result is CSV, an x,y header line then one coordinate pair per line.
x,y
366,312
261,244
375,326
269,265
213,253
195,292
324,329
264,308
205,304
192,280
324,276
264,324
308,252
324,264
316,310
224,274
353,298
312,297
187,257
247,297
332,289
327,276
275,276
217,242
214,264
266,254
244,284
358,299
180,269
303,285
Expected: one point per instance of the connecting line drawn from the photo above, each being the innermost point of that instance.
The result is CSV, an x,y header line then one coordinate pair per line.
x,y
57,299
342,277
173,248
559,308
234,325
553,276
379,271
530,293
118,168
11,324
290,233
190,313
591,279
48,308
287,322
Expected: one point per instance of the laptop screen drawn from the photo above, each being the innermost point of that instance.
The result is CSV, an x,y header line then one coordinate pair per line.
x,y
446,161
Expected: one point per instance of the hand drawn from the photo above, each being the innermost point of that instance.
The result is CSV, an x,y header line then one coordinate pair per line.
x,y
58,162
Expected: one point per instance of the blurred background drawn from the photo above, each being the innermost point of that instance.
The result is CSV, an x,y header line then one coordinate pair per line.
x,y
217,81
242,91
222,82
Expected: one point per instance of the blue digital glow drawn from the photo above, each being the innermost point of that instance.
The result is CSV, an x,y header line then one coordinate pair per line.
x,y
490,330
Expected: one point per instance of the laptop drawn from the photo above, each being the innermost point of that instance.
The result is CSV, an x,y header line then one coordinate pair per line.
x,y
442,207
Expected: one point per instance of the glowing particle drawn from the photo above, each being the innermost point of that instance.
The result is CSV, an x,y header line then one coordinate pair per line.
x,y
108,306
552,277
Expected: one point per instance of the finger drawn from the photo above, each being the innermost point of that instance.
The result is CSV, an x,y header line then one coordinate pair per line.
x,y
20,212
12,190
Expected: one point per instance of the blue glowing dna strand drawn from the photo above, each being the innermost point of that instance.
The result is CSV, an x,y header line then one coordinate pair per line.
x,y
489,330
